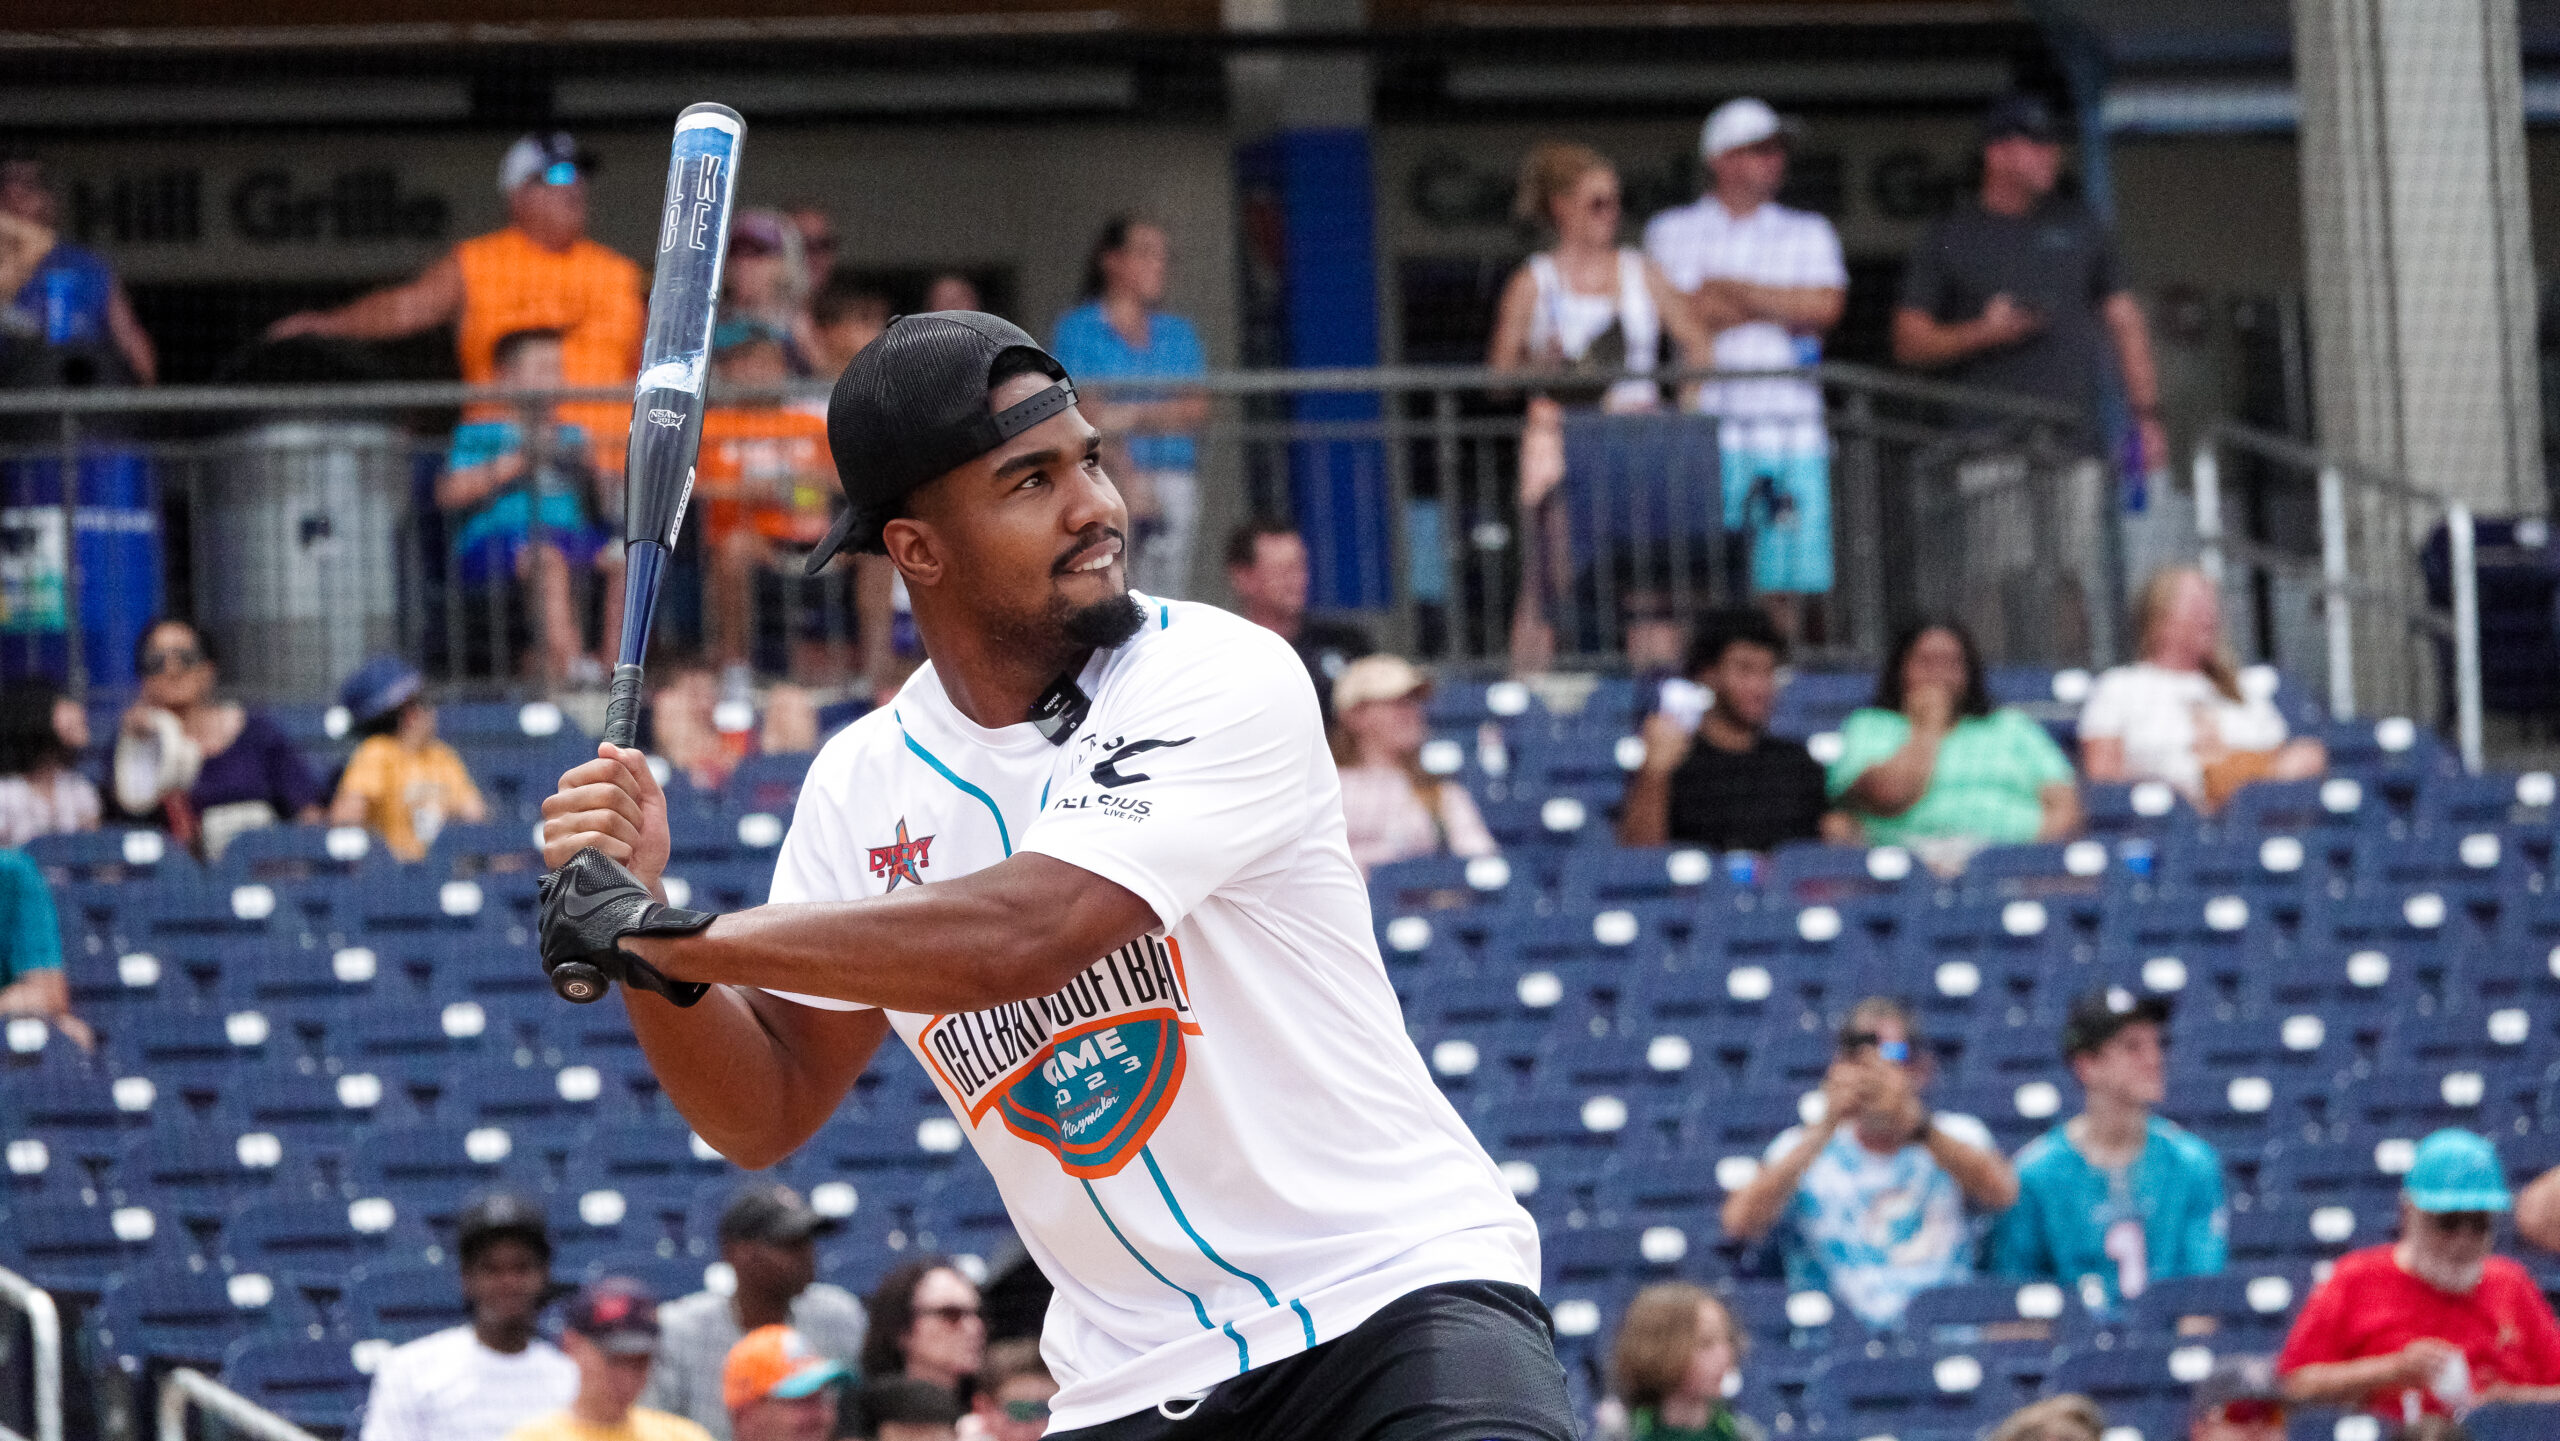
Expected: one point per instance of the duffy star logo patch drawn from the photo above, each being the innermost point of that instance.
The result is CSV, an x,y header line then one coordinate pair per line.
x,y
902,859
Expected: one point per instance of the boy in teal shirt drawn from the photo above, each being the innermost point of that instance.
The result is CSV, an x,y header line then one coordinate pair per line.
x,y
2116,1192
31,980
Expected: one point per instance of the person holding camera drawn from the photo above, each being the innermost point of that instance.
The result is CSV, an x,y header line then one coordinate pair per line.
x,y
1875,1199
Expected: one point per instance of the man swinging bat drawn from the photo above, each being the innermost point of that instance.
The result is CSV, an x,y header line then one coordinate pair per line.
x,y
1090,867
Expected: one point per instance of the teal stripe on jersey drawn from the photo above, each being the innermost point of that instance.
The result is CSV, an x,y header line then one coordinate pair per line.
x,y
981,797
1147,1154
1164,617
1244,1360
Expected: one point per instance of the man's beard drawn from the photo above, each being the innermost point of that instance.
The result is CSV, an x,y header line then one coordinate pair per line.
x,y
1060,629
2457,1278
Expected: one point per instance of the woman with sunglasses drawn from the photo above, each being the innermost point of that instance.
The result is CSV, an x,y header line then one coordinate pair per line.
x,y
925,1326
1585,305
203,769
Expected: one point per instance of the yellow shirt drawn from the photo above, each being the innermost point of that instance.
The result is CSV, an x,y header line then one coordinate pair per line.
x,y
641,1425
408,794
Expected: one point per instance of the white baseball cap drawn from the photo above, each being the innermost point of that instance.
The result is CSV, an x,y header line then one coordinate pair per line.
x,y
1737,123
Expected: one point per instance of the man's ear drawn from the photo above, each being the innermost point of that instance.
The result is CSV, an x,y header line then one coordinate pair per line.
x,y
914,549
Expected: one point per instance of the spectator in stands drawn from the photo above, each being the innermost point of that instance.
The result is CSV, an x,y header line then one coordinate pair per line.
x,y
766,479
483,1380
1120,330
952,290
1873,1197
610,1329
2240,1399
402,783
2433,1322
2115,1192
2019,289
845,315
1267,569
42,792
1014,1387
31,979
769,1240
69,302
541,272
1589,307
1676,1351
1934,766
705,733
905,1409
2180,713
774,1386
1767,282
925,1326
1393,809
766,282
2055,1418
203,769
503,483
1720,779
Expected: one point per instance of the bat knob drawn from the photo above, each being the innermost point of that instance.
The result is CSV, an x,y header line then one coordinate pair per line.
x,y
578,982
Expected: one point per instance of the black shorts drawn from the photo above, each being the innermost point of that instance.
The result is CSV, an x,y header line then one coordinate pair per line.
x,y
1464,1361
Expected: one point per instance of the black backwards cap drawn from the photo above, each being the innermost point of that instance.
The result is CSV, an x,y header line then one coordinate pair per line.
x,y
913,406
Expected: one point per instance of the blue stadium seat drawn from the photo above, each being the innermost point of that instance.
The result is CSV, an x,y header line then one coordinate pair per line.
x,y
113,856
1596,879
311,1111
2281,1233
193,1313
293,853
1968,1307
2125,1376
82,1113
765,783
2250,1309
319,1242
2145,809
311,1383
2508,1035
541,1106
196,1051
75,1249
1620,1255
1907,1395
2494,799
199,1173
431,1171
401,1303
421,1043
2473,865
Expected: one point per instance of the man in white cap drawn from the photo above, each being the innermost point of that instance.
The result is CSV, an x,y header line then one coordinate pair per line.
x,y
539,272
1768,281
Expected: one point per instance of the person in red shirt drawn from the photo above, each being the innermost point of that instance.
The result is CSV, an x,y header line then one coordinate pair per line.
x,y
2432,1324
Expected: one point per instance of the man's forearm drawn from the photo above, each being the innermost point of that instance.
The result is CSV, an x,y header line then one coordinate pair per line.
x,y
1920,341
1751,1211
1009,933
1645,819
1985,1179
2132,335
2342,1380
1804,308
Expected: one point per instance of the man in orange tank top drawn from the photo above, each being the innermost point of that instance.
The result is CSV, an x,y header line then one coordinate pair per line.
x,y
539,273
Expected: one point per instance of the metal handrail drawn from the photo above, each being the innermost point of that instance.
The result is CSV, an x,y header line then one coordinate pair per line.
x,y
185,1387
2339,583
442,394
44,1330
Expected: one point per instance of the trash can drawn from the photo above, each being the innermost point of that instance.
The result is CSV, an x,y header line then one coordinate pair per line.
x,y
298,561
118,523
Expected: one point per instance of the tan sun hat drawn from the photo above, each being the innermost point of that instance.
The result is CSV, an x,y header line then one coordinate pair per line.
x,y
1377,677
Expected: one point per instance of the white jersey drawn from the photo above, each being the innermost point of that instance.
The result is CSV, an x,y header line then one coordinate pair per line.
x,y
449,1387
1218,1141
1772,245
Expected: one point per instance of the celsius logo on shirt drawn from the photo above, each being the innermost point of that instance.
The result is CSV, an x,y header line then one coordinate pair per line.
x,y
1108,774
1085,1073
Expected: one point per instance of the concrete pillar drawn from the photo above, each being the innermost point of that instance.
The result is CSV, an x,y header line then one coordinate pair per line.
x,y
2422,300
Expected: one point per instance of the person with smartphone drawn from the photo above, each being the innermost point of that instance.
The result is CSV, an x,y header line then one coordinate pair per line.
x,y
1713,775
1875,1200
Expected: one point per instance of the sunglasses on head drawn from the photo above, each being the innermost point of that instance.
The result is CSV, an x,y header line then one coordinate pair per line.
x,y
1898,1052
1026,1412
175,658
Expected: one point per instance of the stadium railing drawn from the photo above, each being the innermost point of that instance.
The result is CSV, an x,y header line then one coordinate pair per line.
x,y
2381,640
297,524
44,1345
186,1388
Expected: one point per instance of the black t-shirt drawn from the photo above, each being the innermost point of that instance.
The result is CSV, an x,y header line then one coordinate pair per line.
x,y
1327,646
2056,260
1752,800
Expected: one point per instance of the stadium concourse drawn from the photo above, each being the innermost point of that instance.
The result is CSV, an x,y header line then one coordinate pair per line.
x,y
312,1054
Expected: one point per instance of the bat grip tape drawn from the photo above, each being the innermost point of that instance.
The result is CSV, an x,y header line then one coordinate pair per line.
x,y
622,712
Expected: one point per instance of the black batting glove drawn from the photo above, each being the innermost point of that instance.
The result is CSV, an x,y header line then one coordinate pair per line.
x,y
591,903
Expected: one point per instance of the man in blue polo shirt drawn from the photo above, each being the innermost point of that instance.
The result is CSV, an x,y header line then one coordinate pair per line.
x,y
2115,1192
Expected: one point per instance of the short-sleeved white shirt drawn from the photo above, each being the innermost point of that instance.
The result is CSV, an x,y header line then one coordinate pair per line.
x,y
1772,245
448,1387
1218,1141
2152,709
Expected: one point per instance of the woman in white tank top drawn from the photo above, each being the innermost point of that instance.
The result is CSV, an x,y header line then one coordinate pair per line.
x,y
1587,304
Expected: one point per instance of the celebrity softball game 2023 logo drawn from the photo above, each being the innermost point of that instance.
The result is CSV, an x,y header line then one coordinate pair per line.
x,y
1086,1072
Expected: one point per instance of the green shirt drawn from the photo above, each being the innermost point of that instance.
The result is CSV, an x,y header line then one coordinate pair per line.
x,y
1988,784
27,925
